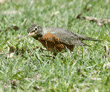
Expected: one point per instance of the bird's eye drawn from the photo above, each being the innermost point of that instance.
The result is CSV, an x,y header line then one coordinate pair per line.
x,y
36,28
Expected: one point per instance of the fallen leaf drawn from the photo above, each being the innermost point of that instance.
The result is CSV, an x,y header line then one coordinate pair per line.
x,y
78,16
107,51
14,83
12,27
36,88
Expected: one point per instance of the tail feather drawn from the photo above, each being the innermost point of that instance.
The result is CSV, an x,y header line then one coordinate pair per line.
x,y
91,39
85,38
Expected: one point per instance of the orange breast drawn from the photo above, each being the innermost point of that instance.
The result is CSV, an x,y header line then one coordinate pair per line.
x,y
51,42
50,37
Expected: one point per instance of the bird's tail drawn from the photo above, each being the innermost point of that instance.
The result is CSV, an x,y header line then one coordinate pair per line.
x,y
91,39
85,38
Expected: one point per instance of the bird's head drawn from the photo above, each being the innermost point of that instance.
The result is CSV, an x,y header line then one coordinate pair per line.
x,y
35,31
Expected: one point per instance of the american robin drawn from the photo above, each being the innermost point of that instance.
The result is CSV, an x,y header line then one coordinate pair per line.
x,y
57,39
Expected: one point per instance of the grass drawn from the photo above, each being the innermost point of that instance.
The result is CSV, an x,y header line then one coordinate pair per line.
x,y
23,69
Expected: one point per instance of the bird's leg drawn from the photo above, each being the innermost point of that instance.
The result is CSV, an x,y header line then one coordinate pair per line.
x,y
47,48
72,51
68,50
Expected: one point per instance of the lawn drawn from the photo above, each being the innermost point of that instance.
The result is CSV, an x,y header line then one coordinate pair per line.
x,y
26,66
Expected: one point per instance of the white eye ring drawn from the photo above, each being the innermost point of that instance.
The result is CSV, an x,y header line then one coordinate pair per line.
x,y
36,28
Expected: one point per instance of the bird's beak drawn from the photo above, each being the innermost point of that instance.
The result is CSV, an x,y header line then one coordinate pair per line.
x,y
31,34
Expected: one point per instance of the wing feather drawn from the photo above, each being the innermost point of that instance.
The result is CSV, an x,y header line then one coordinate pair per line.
x,y
67,36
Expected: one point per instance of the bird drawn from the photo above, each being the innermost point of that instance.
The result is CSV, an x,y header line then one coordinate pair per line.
x,y
57,39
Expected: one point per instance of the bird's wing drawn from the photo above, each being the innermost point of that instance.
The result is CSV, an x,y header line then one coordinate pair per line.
x,y
63,36
85,38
